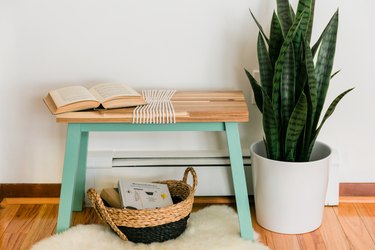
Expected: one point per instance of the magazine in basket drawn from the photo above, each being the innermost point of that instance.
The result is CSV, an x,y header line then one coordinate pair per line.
x,y
143,195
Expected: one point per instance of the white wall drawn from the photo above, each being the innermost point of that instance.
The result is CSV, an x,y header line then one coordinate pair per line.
x,y
191,44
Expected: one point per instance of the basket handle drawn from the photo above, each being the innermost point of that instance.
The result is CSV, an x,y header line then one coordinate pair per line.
x,y
194,175
101,210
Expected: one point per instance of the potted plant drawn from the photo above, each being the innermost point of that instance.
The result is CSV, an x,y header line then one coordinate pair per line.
x,y
290,168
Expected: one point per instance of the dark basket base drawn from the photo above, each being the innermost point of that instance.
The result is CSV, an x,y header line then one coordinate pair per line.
x,y
155,234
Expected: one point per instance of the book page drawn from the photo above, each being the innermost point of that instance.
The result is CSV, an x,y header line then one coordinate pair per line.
x,y
72,94
107,91
143,195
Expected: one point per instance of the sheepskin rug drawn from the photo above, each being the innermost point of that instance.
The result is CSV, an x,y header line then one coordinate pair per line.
x,y
214,227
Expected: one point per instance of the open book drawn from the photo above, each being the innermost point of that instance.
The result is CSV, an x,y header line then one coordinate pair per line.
x,y
108,95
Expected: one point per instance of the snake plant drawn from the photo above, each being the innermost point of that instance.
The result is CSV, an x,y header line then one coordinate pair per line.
x,y
294,79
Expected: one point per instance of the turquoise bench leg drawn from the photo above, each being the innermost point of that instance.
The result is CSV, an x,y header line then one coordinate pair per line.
x,y
72,148
239,181
81,173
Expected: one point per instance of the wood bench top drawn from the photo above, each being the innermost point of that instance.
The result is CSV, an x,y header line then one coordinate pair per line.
x,y
189,106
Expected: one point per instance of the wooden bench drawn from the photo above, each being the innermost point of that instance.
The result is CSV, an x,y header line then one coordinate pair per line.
x,y
194,111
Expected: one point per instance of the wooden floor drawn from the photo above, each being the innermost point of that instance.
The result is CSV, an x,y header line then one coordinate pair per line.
x,y
348,226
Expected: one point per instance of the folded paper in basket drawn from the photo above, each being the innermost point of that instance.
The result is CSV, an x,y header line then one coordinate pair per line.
x,y
143,195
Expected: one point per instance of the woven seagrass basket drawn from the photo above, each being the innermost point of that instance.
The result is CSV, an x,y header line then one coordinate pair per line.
x,y
151,225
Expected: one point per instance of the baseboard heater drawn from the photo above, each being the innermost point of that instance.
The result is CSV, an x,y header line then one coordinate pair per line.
x,y
212,166
174,159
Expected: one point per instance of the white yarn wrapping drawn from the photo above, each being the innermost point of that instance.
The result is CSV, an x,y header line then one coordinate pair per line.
x,y
159,107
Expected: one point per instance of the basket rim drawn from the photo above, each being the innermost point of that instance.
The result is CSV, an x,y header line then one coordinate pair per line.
x,y
142,218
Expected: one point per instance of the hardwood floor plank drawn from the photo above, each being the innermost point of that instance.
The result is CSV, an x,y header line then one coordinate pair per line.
x,y
311,241
350,226
332,233
12,241
87,216
44,225
285,241
30,225
6,216
354,227
367,214
23,219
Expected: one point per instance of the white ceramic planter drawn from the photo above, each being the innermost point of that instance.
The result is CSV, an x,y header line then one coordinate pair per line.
x,y
290,196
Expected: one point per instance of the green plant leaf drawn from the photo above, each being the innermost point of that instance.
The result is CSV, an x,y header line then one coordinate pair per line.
x,y
311,79
260,27
324,64
271,128
301,73
257,89
295,127
306,27
292,90
287,87
303,6
279,66
317,43
265,67
265,144
311,96
328,113
276,39
336,72
283,11
316,46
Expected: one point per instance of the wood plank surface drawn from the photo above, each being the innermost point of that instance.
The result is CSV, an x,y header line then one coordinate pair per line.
x,y
19,227
87,216
6,216
189,106
349,226
333,235
353,227
367,214
285,241
311,241
46,219
12,241
25,216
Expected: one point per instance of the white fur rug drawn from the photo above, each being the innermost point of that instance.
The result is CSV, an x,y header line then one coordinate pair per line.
x,y
214,227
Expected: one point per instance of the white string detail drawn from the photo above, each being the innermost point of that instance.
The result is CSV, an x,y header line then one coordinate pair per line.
x,y
159,107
